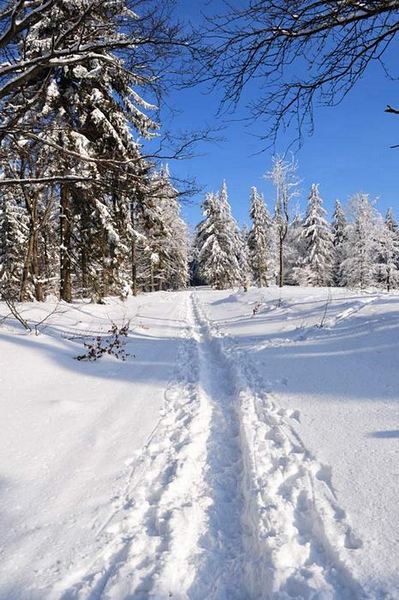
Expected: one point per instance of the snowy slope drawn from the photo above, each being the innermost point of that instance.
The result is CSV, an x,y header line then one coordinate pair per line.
x,y
240,454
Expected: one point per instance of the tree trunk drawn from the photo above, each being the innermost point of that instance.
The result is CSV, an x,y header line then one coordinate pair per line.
x,y
134,268
25,271
152,282
65,247
281,275
39,293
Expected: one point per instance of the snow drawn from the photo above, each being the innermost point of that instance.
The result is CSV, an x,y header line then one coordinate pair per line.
x,y
238,454
337,387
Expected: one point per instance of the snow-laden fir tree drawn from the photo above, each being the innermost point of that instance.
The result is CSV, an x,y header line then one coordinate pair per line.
x,y
315,267
14,231
260,241
164,263
388,253
80,121
218,243
243,257
339,230
294,248
391,222
359,267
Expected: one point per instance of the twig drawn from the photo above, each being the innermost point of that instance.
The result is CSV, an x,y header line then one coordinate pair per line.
x,y
14,311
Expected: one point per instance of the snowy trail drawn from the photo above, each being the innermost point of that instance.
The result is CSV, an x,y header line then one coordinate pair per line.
x,y
178,531
224,502
192,471
137,534
299,540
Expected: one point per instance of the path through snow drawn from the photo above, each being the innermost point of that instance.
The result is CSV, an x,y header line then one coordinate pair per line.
x,y
224,502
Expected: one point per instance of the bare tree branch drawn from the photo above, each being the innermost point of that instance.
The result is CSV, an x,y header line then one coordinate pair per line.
x,y
299,52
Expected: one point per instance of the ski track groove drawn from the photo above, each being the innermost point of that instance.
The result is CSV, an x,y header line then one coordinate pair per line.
x,y
224,502
303,545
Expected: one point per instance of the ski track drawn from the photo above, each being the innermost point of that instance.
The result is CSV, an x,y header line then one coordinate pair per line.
x,y
302,541
224,502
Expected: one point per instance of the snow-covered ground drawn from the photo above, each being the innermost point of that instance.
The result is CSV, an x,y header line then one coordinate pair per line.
x,y
247,449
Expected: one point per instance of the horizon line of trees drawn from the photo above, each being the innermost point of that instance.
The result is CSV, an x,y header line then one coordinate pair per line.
x,y
358,248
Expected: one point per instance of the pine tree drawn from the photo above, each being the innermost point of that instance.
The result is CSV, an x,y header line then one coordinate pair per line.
x,y
339,228
233,241
316,265
14,233
217,243
388,253
79,121
260,240
294,248
359,266
166,244
243,258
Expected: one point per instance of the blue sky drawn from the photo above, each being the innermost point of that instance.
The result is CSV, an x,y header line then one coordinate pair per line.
x,y
349,151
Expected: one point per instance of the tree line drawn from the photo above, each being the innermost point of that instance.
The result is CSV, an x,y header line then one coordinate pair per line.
x,y
358,248
85,211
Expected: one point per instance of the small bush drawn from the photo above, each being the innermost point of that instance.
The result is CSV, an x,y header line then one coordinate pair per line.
x,y
113,344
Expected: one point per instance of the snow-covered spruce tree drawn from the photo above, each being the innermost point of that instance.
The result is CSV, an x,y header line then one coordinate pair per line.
x,y
359,267
234,241
339,229
75,94
260,240
21,161
93,107
13,241
315,268
294,248
165,256
391,222
243,258
388,253
217,243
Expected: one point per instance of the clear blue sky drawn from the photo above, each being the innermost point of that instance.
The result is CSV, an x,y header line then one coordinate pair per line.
x,y
349,151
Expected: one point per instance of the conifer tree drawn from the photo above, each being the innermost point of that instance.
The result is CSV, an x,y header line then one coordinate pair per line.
x,y
217,242
316,265
359,267
14,231
166,237
295,248
243,258
233,241
388,250
339,228
260,240
79,115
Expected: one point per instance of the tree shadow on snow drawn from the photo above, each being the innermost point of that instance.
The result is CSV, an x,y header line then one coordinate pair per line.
x,y
356,358
151,358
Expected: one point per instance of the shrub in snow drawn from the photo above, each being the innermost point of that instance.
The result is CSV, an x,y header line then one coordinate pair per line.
x,y
113,344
